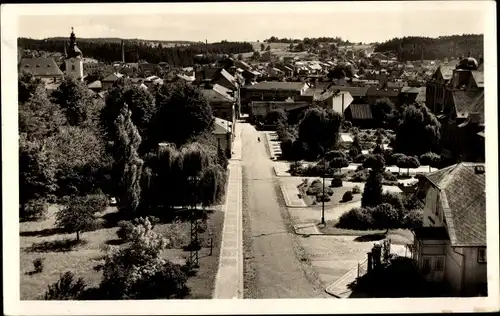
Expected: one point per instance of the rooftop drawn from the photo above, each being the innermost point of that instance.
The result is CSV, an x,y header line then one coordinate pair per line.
x,y
40,67
276,85
463,198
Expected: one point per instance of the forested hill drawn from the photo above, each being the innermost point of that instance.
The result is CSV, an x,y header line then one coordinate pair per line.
x,y
411,48
118,40
134,51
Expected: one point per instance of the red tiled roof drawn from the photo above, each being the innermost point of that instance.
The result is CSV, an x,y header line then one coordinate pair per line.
x,y
463,199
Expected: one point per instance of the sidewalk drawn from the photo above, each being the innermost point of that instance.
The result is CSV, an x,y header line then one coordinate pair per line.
x,y
229,279
237,147
340,289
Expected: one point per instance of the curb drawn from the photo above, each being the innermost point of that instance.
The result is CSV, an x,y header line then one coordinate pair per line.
x,y
280,174
268,146
328,288
287,199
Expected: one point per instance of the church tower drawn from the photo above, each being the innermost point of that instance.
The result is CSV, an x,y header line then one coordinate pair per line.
x,y
74,59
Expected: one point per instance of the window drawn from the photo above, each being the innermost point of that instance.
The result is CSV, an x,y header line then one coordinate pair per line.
x,y
481,255
439,264
73,67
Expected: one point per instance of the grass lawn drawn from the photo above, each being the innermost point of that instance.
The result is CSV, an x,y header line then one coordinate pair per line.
x,y
335,199
41,240
397,236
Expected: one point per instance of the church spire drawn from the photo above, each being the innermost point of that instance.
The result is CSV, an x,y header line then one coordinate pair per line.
x,y
73,50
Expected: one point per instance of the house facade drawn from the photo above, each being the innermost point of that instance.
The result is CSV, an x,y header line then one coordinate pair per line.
x,y
223,131
450,247
458,103
222,102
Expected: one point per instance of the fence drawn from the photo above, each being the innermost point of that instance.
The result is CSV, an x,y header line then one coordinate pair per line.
x,y
362,268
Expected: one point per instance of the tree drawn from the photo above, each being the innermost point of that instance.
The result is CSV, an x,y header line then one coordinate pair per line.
x,y
385,216
408,162
38,117
375,161
338,163
128,165
341,71
356,145
66,288
431,159
255,56
183,113
77,216
372,194
268,48
418,131
139,101
319,129
240,56
262,47
80,160
382,109
37,171
300,47
139,272
76,101
276,116
27,84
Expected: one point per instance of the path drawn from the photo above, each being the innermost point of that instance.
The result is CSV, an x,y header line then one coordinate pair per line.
x,y
278,273
229,279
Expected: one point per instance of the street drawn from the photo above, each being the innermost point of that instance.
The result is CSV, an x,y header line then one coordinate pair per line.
x,y
278,272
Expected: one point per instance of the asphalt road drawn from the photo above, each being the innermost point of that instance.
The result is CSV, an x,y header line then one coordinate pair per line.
x,y
278,272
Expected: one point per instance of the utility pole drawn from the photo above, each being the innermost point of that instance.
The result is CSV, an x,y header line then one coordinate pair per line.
x,y
323,197
194,247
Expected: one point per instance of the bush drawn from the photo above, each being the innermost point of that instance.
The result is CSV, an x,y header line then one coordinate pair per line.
x,y
38,265
347,196
336,183
33,210
320,197
360,158
357,218
356,189
66,288
389,176
125,230
296,168
360,176
385,216
413,219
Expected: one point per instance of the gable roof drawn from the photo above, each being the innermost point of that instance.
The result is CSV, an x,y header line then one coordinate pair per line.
x,y
354,91
467,102
218,93
221,126
95,85
113,77
463,199
478,78
40,67
379,92
360,111
228,77
276,85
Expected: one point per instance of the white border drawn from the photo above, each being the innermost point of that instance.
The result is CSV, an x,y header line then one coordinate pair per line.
x,y
13,306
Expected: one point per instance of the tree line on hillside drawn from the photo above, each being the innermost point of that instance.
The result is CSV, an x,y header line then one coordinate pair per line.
x,y
414,47
308,41
135,51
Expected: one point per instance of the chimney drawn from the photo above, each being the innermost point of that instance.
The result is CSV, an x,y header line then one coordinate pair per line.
x,y
123,52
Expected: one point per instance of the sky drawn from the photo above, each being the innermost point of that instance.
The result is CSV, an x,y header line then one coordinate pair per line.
x,y
356,21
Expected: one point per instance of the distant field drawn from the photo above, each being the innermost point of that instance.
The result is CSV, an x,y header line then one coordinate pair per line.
x,y
283,46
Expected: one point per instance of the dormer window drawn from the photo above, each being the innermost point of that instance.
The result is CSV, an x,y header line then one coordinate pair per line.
x,y
48,65
73,67
37,65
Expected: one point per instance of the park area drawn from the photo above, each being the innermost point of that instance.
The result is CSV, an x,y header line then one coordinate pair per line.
x,y
61,252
